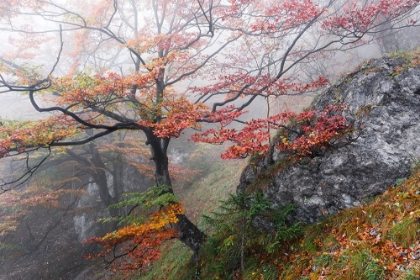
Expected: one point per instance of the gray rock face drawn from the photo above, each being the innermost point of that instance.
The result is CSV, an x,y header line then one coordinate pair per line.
x,y
385,104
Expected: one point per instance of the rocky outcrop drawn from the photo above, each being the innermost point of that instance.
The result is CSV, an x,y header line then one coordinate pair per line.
x,y
383,100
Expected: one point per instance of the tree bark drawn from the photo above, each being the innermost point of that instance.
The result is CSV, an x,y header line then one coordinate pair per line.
x,y
188,234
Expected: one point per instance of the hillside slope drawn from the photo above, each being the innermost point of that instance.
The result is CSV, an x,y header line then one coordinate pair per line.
x,y
376,239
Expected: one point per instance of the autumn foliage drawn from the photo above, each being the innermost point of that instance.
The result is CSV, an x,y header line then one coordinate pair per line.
x,y
15,206
252,57
140,243
161,67
20,136
301,134
137,244
318,130
379,239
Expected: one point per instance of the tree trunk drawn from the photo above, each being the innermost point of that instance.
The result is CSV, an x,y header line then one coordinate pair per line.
x,y
99,175
188,234
96,169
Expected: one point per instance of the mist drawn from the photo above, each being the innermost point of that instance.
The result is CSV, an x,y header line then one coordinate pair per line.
x,y
119,88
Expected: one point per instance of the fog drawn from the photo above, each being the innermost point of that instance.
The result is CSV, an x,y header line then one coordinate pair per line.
x,y
54,196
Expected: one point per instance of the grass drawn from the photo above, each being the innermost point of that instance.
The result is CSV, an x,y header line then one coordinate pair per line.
x,y
218,178
374,241
378,240
174,263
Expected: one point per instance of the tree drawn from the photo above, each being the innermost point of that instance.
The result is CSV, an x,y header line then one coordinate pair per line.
x,y
62,179
161,67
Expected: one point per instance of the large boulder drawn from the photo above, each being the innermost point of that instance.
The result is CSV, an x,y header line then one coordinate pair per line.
x,y
383,100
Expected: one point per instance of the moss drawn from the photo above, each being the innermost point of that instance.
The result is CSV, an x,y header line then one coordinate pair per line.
x,y
267,176
255,158
364,111
407,56
410,58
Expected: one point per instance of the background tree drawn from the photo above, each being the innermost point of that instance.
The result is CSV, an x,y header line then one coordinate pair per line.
x,y
161,67
54,209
